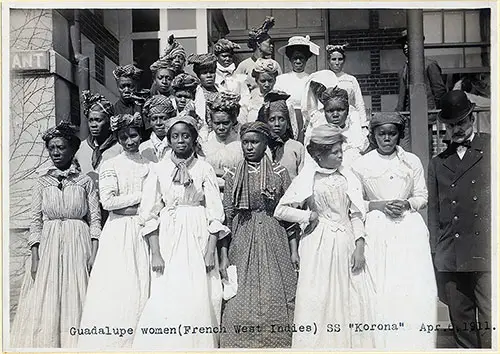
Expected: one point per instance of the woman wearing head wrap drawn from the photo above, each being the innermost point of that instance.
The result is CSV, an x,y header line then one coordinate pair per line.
x,y
336,110
64,233
175,54
288,152
223,148
163,74
127,80
101,144
225,77
260,42
183,217
298,51
184,87
394,191
204,67
157,110
334,289
265,73
119,282
261,249
336,61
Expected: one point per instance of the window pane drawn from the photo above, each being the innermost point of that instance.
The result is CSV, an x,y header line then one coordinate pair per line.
x,y
342,19
433,29
453,27
180,19
358,62
145,20
392,18
145,53
309,18
285,18
473,58
236,19
256,17
446,57
472,27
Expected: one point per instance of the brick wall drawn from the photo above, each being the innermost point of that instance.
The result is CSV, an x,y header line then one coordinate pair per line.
x,y
373,39
106,44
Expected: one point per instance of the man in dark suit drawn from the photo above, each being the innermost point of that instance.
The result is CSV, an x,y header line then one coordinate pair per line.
x,y
434,87
460,223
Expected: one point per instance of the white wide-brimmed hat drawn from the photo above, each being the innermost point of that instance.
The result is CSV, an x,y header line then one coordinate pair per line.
x,y
300,41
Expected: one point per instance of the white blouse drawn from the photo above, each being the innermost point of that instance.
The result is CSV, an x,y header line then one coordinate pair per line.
x,y
351,85
121,179
294,84
398,176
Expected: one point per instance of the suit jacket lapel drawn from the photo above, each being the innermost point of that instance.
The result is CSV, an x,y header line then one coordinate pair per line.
x,y
472,156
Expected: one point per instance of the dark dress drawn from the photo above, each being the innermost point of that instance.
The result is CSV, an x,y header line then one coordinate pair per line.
x,y
266,279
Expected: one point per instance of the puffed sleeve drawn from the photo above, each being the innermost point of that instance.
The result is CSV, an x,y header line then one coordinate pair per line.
x,y
357,169
289,204
418,199
151,203
433,208
111,199
213,204
359,103
36,215
94,211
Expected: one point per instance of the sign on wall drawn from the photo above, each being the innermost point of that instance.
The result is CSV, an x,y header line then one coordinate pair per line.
x,y
30,60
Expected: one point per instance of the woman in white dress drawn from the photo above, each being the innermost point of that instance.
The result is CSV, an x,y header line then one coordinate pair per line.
x,y
223,148
183,212
334,288
265,73
298,51
394,190
336,61
119,283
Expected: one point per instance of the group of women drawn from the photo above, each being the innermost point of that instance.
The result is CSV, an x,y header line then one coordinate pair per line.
x,y
223,229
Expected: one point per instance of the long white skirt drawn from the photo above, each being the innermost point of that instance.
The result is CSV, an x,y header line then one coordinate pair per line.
x,y
329,296
404,280
118,286
184,309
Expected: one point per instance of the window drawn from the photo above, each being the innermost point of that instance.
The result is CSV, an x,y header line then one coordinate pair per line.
x,y
458,39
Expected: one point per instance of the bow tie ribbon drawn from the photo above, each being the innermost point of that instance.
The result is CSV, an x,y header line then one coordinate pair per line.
x,y
467,144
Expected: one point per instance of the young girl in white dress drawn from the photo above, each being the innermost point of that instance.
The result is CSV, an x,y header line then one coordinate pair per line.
x,y
119,283
334,288
183,212
394,191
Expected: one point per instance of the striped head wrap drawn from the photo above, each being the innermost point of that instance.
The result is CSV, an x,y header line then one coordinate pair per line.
x,y
226,101
173,49
161,63
63,130
121,121
185,82
224,45
129,71
326,94
93,102
265,66
158,104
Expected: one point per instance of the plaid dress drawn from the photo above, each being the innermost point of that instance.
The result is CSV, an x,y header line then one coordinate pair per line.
x,y
266,279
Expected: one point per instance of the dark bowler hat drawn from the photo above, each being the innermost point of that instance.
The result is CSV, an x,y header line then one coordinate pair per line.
x,y
403,37
455,106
